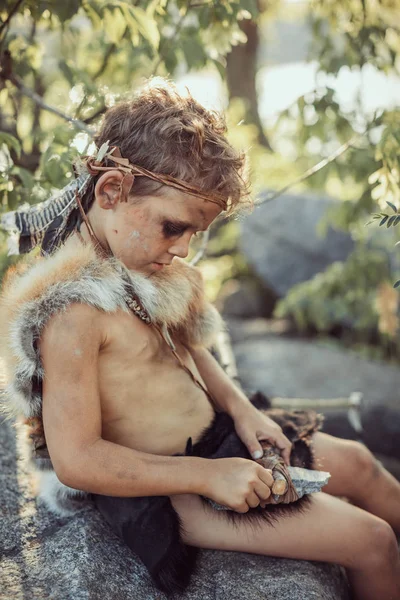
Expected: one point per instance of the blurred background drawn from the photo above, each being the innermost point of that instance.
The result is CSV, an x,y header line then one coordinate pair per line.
x,y
311,92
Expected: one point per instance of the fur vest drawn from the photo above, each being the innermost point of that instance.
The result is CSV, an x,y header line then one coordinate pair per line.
x,y
39,288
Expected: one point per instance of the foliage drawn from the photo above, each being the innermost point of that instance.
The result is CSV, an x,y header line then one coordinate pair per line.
x,y
348,35
346,296
79,57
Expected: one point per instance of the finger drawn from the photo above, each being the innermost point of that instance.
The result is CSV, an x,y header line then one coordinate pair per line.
x,y
266,476
285,446
263,492
253,500
243,508
254,447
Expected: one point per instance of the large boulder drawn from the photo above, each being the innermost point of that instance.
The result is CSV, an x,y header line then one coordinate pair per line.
x,y
286,367
280,240
77,558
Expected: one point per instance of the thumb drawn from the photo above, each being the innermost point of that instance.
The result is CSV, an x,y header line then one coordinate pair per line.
x,y
255,448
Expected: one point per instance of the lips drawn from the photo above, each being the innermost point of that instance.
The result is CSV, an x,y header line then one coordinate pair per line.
x,y
158,266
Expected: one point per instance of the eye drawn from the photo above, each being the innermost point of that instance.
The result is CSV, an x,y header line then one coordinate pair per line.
x,y
171,230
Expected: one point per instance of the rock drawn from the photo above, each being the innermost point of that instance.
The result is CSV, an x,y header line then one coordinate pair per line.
x,y
76,558
245,299
294,368
280,241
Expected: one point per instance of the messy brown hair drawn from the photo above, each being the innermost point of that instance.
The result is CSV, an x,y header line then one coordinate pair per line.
x,y
169,133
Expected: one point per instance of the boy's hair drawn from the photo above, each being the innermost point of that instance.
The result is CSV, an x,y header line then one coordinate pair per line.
x,y
166,132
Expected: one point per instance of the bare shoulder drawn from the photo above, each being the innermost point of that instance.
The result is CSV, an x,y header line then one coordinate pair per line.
x,y
79,323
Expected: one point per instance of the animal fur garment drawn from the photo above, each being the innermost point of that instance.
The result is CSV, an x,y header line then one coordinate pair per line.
x,y
150,526
38,289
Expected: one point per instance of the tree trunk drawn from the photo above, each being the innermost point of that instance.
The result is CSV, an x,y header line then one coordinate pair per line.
x,y
241,73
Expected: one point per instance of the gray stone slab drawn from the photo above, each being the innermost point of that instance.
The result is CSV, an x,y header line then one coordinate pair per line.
x,y
43,557
281,242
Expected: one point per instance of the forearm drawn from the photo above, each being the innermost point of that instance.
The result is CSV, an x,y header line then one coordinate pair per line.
x,y
228,396
114,470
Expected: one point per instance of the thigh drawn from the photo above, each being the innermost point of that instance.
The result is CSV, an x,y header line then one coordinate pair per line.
x,y
348,462
328,530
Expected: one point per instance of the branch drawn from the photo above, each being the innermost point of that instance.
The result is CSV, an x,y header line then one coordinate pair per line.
x,y
106,58
96,114
10,16
323,163
40,102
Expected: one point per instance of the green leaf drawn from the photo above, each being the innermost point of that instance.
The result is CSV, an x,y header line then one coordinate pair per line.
x,y
114,25
396,221
11,142
67,72
390,222
221,69
392,206
385,218
12,199
250,5
396,285
194,52
65,10
146,25
24,176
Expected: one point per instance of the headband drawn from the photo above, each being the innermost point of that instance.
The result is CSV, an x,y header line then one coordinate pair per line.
x,y
30,225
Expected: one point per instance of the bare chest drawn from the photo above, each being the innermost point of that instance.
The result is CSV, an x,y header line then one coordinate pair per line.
x,y
148,401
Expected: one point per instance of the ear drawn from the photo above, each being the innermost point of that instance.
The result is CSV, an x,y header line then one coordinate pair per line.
x,y
113,187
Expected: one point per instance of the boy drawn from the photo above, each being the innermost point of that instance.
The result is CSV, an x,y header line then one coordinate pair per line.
x,y
106,342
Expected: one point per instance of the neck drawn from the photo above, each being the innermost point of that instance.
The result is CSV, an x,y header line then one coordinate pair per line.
x,y
91,231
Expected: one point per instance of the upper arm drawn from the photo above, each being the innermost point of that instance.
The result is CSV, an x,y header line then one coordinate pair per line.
x,y
69,349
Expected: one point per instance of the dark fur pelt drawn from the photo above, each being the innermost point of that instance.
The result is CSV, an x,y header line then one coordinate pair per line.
x,y
152,528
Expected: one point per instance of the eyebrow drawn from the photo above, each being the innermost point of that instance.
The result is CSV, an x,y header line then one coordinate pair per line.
x,y
180,223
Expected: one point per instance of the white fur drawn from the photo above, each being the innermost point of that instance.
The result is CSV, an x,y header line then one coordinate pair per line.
x,y
56,495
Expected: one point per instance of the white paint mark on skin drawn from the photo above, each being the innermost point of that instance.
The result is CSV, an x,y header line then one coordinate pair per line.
x,y
78,352
134,235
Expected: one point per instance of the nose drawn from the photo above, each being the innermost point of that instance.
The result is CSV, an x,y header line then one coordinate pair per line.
x,y
180,247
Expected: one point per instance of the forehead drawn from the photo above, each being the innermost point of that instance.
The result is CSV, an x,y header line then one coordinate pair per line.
x,y
184,207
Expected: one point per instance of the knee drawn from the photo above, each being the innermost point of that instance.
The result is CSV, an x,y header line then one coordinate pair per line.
x,y
378,545
362,463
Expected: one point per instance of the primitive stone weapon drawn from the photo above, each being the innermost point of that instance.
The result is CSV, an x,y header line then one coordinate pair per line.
x,y
290,483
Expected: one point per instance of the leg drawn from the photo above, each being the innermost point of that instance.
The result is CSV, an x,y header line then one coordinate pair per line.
x,y
356,474
330,531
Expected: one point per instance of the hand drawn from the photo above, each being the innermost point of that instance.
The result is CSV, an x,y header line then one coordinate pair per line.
x,y
238,483
252,426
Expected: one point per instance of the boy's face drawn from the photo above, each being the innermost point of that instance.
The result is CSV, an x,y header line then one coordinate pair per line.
x,y
146,235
